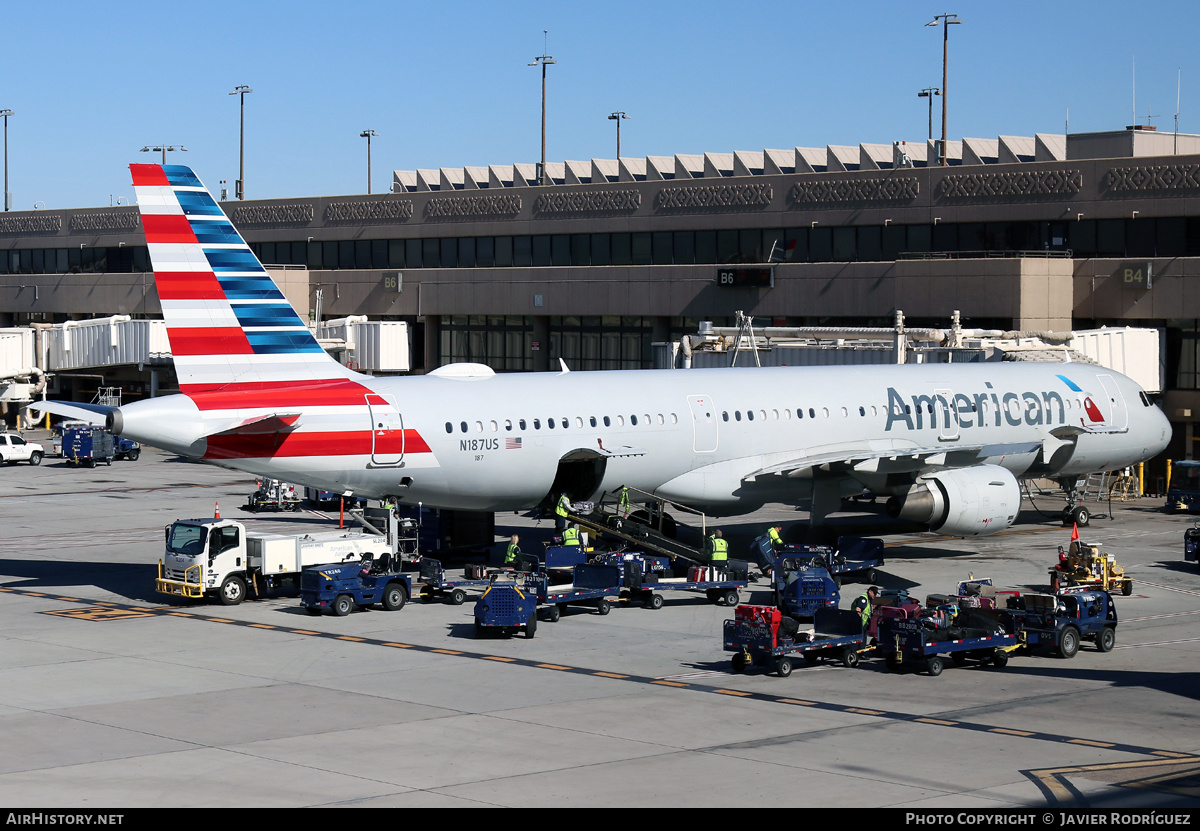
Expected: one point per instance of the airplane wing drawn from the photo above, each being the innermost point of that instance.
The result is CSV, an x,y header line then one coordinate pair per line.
x,y
91,413
892,457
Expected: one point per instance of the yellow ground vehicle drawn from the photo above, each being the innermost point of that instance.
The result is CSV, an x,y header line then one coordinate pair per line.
x,y
1086,565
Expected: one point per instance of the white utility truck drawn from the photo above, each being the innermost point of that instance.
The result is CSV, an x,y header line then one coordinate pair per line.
x,y
220,557
14,448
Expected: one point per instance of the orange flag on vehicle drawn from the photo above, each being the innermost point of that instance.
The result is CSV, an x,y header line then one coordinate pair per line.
x,y
1074,531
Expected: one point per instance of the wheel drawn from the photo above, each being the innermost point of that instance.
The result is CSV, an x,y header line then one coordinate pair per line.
x,y
872,576
343,605
1081,515
739,661
553,614
849,657
91,462
531,625
394,597
654,601
132,455
1127,588
811,657
837,579
603,608
1068,642
893,662
783,667
730,598
1106,639
1000,659
457,597
934,665
958,658
35,459
233,590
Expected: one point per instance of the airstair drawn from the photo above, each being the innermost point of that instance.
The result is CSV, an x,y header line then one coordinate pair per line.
x,y
641,520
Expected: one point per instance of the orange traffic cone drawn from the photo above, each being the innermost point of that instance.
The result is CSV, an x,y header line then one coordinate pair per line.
x,y
217,510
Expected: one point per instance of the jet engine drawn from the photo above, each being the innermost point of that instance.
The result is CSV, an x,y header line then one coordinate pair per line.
x,y
967,502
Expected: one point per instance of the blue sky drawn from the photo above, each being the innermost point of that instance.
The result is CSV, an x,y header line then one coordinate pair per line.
x,y
447,84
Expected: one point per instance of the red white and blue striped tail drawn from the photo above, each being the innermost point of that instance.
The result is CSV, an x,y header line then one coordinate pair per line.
x,y
229,324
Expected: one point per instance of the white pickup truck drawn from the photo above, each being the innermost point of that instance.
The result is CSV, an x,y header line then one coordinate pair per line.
x,y
14,448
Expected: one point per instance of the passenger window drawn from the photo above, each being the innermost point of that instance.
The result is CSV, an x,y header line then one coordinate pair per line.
x,y
607,422
633,421
449,427
463,426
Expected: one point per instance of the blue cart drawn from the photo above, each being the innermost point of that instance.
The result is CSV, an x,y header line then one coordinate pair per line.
x,y
920,642
837,634
644,577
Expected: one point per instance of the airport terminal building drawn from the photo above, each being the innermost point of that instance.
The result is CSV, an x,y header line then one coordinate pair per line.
x,y
485,264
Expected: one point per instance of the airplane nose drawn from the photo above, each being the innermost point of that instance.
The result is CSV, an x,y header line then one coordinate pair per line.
x,y
1165,431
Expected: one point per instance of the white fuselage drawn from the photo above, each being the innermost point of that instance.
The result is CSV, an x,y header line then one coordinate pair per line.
x,y
727,440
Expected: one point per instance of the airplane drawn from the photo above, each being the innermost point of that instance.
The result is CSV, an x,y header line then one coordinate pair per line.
x,y
947,442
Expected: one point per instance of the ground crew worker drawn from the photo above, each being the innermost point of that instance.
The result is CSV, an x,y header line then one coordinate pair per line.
x,y
563,510
774,537
718,555
623,501
571,535
862,604
514,551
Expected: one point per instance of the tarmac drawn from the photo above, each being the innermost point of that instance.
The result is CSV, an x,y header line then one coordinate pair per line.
x,y
114,697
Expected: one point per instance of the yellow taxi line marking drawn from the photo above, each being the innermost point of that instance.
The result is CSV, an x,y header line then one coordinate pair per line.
x,y
498,658
937,721
400,645
865,712
445,651
1008,732
671,683
733,692
609,675
1090,743
797,701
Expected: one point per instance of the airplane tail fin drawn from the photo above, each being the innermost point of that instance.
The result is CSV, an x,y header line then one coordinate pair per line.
x,y
227,320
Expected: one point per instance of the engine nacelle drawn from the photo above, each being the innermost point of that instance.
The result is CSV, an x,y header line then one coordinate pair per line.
x,y
968,502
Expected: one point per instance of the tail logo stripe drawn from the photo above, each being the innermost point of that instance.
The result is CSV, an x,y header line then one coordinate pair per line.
x,y
226,318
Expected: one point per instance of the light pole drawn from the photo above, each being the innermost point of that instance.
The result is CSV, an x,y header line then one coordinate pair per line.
x,y
544,60
929,92
7,196
163,148
947,21
239,187
367,134
617,116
